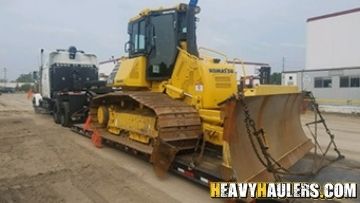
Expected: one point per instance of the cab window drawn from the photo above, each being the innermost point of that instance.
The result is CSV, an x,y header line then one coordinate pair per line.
x,y
137,38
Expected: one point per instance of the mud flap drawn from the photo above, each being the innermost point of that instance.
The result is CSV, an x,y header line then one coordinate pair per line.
x,y
162,157
279,116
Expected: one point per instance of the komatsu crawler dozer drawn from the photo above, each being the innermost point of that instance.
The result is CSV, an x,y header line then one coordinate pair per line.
x,y
173,103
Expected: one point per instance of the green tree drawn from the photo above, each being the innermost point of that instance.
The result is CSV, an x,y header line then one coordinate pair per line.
x,y
275,78
25,78
25,87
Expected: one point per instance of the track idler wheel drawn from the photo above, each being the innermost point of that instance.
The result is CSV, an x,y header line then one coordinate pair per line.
x,y
103,115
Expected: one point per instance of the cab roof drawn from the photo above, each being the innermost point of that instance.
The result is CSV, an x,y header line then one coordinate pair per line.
x,y
146,12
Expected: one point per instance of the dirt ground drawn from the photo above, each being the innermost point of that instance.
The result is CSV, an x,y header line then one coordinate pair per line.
x,y
43,162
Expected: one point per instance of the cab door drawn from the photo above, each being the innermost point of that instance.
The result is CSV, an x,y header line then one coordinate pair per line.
x,y
163,46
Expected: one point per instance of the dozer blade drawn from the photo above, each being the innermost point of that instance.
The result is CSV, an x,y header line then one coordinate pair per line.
x,y
279,117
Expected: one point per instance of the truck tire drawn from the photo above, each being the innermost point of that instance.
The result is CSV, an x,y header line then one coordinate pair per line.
x,y
65,115
56,116
37,110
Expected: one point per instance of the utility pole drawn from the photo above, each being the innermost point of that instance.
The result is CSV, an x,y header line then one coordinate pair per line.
x,y
283,63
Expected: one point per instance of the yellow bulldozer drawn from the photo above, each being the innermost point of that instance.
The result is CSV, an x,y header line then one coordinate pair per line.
x,y
184,110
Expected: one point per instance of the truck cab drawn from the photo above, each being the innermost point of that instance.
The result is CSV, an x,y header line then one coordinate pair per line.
x,y
63,84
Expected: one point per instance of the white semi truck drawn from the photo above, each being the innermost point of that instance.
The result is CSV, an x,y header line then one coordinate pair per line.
x,y
65,81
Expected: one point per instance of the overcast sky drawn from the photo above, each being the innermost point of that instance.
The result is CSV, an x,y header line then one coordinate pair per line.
x,y
253,30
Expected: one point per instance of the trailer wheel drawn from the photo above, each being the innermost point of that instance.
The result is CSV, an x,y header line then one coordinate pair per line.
x,y
56,116
65,115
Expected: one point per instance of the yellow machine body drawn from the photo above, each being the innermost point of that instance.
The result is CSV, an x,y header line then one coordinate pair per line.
x,y
131,73
201,83
204,83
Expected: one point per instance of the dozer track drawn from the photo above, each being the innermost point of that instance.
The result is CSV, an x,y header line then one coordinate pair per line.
x,y
178,125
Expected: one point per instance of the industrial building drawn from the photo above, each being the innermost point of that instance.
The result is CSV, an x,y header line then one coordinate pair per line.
x,y
332,70
254,70
106,67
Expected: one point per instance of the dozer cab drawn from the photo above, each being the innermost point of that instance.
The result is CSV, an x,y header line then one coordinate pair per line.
x,y
177,104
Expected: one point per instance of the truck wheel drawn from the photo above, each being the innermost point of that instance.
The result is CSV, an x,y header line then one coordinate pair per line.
x,y
36,110
65,115
56,116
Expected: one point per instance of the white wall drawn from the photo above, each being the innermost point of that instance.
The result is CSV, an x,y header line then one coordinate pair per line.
x,y
14,84
333,42
105,68
250,70
289,79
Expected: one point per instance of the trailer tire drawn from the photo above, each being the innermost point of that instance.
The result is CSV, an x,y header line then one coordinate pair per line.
x,y
65,115
56,116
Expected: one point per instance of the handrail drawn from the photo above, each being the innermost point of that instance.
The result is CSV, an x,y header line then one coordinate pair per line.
x,y
213,51
242,67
